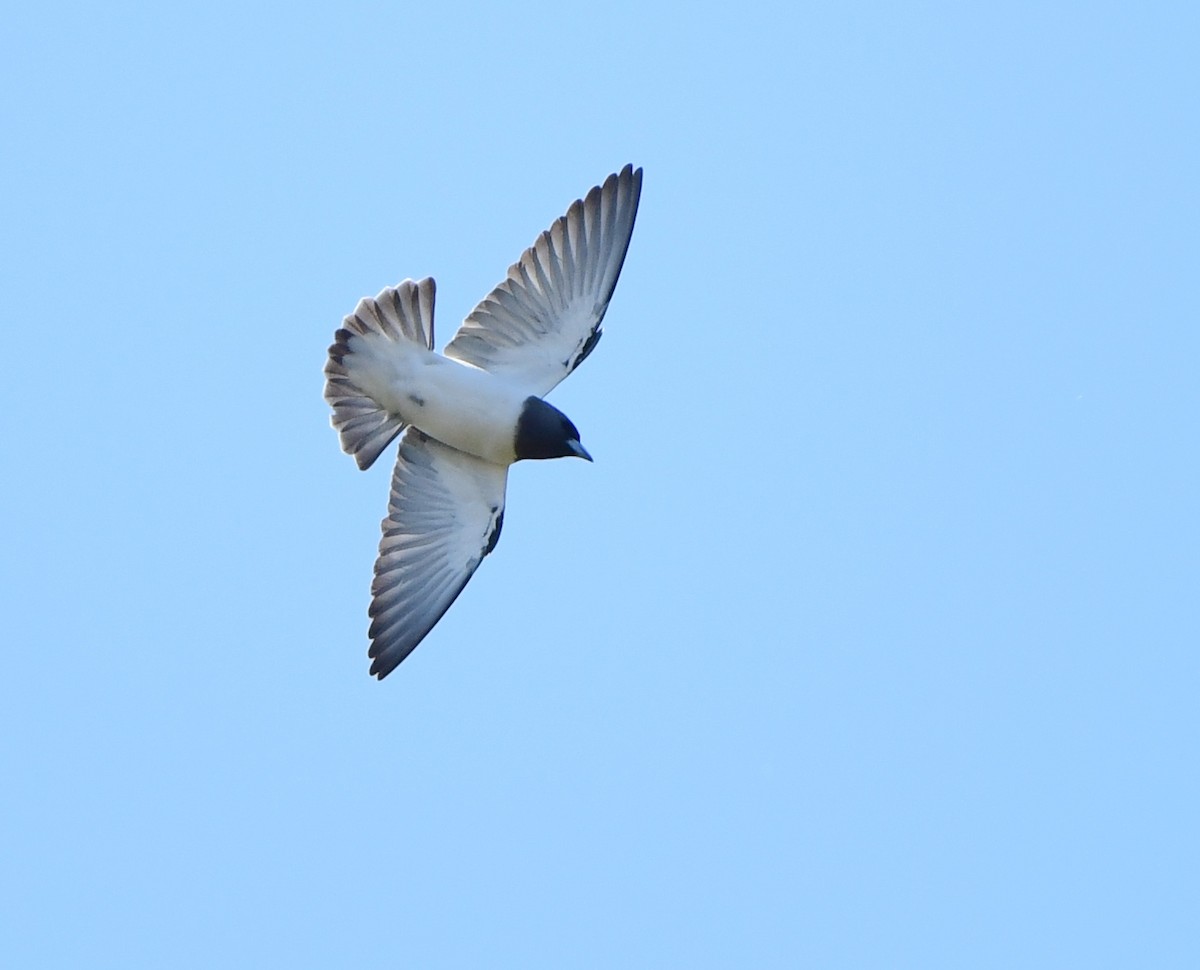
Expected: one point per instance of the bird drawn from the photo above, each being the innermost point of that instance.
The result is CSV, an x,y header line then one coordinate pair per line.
x,y
465,415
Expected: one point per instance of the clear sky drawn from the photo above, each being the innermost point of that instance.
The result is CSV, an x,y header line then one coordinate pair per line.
x,y
869,640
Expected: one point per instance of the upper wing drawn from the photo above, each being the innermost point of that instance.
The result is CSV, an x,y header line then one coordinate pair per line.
x,y
536,326
444,515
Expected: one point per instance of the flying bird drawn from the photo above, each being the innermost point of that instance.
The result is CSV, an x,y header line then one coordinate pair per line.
x,y
465,415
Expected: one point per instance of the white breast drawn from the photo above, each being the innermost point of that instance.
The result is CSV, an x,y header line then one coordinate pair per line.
x,y
459,404
464,407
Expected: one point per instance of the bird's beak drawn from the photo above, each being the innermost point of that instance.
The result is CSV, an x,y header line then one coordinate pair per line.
x,y
578,449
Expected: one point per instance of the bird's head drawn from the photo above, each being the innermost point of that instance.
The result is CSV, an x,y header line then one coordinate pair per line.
x,y
543,431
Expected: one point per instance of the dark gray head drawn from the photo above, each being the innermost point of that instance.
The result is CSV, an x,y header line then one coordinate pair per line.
x,y
543,431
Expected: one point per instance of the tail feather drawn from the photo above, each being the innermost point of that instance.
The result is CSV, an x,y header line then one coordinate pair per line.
x,y
404,312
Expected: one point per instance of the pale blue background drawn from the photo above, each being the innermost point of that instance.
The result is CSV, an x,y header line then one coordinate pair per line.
x,y
869,640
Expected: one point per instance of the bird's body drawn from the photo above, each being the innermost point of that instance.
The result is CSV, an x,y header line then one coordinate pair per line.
x,y
466,415
458,404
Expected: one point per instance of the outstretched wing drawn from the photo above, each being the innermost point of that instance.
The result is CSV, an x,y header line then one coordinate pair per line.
x,y
536,326
444,515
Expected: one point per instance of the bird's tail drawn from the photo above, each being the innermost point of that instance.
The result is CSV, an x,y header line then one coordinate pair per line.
x,y
404,312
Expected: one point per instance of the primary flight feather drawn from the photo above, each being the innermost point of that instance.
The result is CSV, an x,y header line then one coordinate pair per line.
x,y
464,416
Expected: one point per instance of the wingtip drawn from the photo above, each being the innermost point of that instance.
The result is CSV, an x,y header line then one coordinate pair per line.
x,y
381,665
631,174
635,179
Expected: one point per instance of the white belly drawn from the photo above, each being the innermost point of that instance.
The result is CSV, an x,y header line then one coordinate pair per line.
x,y
460,405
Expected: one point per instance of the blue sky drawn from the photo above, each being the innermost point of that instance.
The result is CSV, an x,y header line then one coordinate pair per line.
x,y
868,641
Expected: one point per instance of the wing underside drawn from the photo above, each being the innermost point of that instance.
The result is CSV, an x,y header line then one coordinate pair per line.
x,y
541,322
444,516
